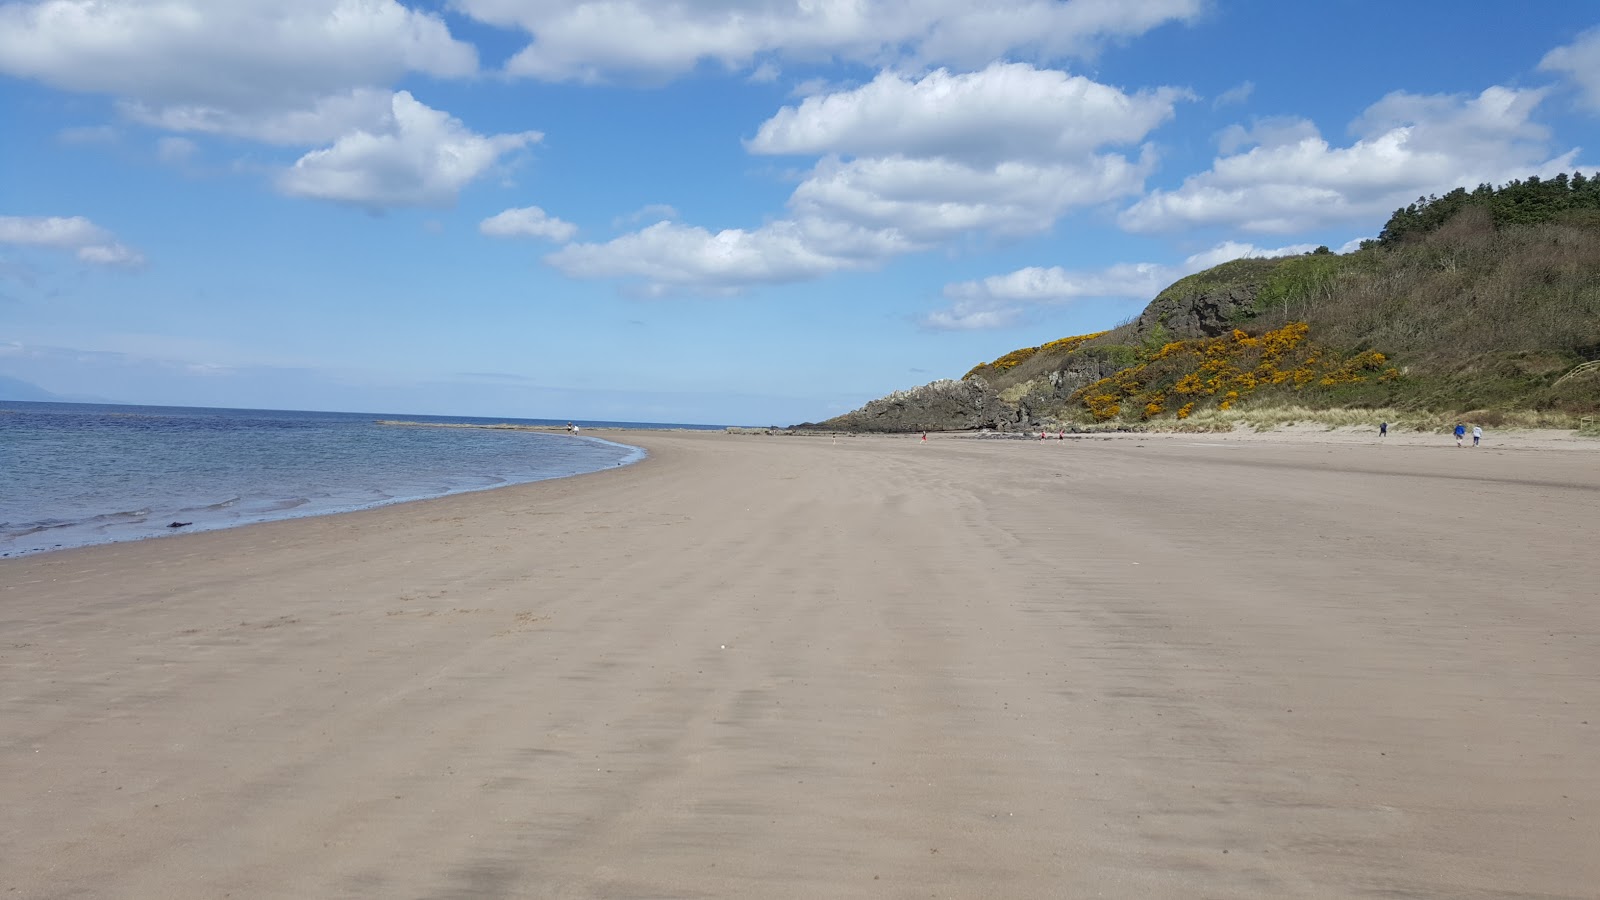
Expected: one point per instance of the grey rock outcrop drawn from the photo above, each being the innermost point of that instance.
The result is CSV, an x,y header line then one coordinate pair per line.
x,y
940,406
1201,315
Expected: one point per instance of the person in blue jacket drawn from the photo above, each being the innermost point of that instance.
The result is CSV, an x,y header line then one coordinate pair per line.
x,y
1461,432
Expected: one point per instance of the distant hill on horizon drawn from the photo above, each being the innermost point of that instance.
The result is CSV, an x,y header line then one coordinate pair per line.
x,y
17,389
27,391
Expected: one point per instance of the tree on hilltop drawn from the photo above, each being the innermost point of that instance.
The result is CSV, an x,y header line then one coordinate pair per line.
x,y
1517,202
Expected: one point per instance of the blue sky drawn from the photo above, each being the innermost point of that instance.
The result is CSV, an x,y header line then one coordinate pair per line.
x,y
706,212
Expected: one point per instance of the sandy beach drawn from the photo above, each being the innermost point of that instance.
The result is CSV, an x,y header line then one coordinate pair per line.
x,y
1178,666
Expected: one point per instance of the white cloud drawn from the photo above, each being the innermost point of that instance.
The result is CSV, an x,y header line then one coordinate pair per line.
x,y
1274,131
597,39
1001,300
89,241
297,73
1007,111
527,221
967,316
423,157
1235,95
909,165
175,150
112,254
1055,284
51,231
766,73
854,215
668,255
319,120
1227,251
1407,145
651,212
237,55
933,199
1579,61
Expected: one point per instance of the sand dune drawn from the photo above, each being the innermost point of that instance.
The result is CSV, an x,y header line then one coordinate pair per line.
x,y
1166,666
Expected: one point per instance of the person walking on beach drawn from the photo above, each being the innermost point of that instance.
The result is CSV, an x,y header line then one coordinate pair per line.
x,y
1461,432
924,437
1383,429
1477,434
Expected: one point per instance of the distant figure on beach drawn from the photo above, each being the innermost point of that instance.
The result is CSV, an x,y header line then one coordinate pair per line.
x,y
1383,429
1477,434
1062,436
924,437
1041,435
570,427
1461,432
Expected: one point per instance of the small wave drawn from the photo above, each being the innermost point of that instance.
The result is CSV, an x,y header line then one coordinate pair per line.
x,y
8,530
222,504
289,503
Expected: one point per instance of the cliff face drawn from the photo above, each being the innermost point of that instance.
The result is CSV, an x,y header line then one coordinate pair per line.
x,y
1200,315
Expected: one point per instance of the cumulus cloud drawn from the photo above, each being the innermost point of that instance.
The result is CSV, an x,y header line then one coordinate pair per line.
x,y
88,241
1055,284
294,73
932,199
599,39
239,55
905,166
857,214
1007,111
527,221
1272,131
1579,62
1291,178
1001,300
421,157
668,255
968,316
318,120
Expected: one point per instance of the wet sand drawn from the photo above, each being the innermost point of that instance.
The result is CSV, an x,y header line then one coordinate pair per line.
x,y
1165,666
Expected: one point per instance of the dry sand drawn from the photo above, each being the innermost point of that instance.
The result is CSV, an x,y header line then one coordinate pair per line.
x,y
1165,666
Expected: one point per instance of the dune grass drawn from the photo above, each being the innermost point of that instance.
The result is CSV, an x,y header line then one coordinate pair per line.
x,y
1273,417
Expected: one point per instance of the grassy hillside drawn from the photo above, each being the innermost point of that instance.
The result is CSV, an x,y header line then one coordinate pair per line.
x,y
1466,313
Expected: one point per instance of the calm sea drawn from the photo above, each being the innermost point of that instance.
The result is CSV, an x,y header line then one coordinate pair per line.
x,y
73,474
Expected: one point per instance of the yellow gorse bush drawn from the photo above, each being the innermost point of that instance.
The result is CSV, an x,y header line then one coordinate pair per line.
x,y
1228,368
1018,357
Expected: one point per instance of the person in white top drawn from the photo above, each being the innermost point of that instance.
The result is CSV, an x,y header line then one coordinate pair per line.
x,y
1477,434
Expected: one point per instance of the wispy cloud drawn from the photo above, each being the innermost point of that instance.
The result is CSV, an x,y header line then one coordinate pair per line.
x,y
88,241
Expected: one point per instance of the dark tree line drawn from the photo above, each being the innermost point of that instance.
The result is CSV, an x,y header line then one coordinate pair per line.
x,y
1516,203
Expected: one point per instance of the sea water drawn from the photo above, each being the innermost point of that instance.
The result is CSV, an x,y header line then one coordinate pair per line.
x,y
74,474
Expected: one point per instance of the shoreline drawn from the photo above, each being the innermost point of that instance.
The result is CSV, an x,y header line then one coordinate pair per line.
x,y
1130,667
291,511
